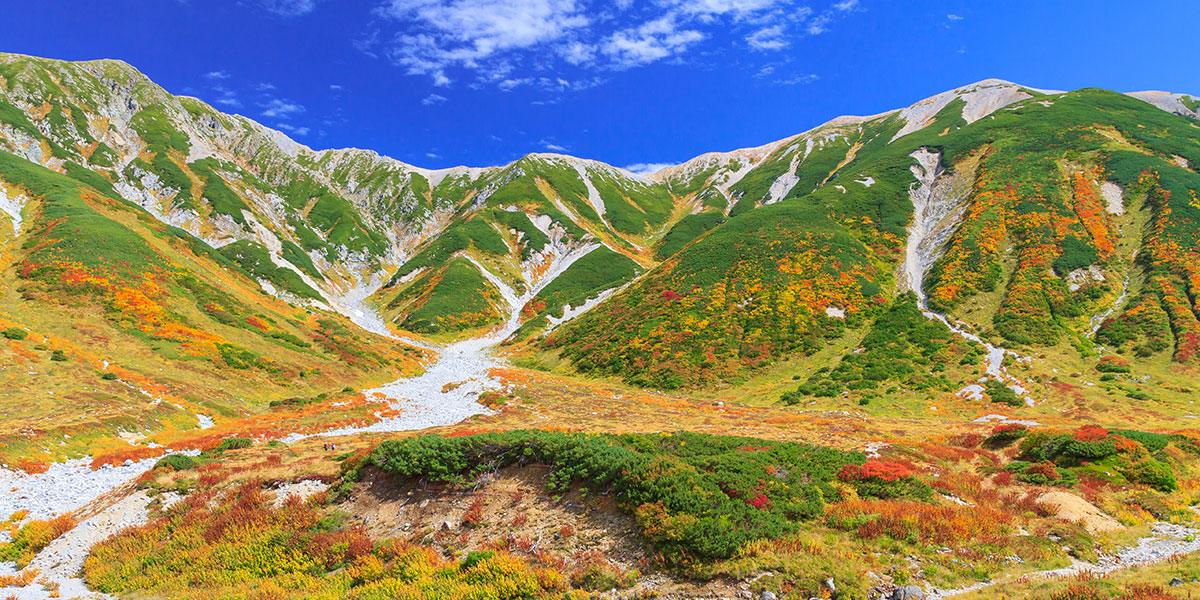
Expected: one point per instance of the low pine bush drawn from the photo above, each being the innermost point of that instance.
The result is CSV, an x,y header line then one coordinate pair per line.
x,y
694,495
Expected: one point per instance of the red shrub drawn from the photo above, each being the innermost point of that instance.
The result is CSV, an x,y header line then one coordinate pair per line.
x,y
1046,469
760,501
474,514
1010,428
880,470
1091,433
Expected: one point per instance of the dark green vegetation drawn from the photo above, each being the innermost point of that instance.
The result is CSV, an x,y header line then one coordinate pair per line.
x,y
694,495
1118,455
256,260
452,297
686,230
903,348
598,271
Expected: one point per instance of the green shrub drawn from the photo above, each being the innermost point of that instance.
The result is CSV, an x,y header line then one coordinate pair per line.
x,y
998,392
14,333
176,462
233,444
1153,473
693,494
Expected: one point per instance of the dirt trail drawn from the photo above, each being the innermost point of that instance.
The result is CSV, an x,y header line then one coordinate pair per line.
x,y
1165,541
448,391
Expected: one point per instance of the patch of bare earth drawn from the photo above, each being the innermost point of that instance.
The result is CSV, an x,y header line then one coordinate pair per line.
x,y
512,510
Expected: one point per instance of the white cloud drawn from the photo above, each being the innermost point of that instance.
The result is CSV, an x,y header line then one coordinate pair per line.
x,y
803,79
649,42
462,33
647,168
226,97
768,38
511,84
819,24
280,109
265,87
432,99
432,155
954,17
516,43
217,75
551,146
288,8
293,129
333,87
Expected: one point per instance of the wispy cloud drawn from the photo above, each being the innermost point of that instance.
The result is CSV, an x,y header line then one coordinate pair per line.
x,y
954,17
551,146
226,97
822,22
293,129
550,43
432,99
288,8
647,168
277,108
649,42
802,79
768,38
217,75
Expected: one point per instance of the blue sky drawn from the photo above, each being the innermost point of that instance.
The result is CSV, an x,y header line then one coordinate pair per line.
x,y
439,83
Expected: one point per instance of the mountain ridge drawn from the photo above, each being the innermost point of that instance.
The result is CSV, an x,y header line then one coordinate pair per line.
x,y
700,275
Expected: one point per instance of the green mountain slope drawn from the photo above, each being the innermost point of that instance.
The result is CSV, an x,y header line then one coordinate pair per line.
x,y
1032,219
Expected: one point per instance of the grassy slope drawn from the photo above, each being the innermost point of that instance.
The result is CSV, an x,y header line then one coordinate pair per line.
x,y
105,283
1036,190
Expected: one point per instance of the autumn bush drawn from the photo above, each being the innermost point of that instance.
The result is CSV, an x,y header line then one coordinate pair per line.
x,y
1007,433
884,479
1135,455
918,522
14,333
221,545
32,537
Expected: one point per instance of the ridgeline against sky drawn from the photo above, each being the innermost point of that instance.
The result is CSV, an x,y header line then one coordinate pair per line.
x,y
440,83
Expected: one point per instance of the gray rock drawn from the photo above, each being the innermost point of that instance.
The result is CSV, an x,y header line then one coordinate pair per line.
x,y
908,592
1176,582
767,596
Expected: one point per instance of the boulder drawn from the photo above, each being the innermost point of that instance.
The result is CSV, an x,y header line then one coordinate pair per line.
x,y
908,592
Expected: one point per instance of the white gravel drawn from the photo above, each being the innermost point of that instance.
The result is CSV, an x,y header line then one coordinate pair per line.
x,y
62,560
448,391
303,489
64,487
1114,197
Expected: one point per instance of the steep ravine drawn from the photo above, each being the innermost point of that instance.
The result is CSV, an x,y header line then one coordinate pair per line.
x,y
939,201
446,393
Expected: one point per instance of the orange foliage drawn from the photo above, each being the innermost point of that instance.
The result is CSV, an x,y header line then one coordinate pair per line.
x,y
1092,213
930,524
